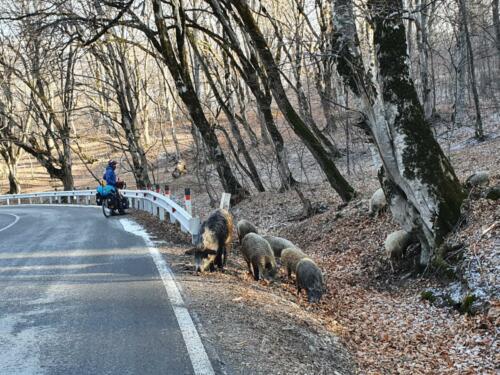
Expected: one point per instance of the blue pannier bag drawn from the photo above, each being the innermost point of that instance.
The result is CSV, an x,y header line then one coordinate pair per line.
x,y
104,191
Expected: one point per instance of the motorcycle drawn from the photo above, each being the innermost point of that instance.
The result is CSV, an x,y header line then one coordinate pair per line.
x,y
111,201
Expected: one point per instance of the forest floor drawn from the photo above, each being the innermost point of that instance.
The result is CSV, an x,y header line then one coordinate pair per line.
x,y
373,319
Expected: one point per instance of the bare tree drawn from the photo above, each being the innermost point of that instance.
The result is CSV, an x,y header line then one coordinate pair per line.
x,y
50,93
336,180
126,88
13,119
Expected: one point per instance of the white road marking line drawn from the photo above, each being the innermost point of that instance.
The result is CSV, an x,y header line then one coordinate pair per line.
x,y
11,224
196,350
51,205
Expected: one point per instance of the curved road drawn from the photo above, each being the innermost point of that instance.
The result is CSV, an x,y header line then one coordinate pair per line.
x,y
81,295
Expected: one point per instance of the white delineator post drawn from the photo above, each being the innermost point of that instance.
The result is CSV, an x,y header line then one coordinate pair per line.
x,y
166,192
187,201
225,201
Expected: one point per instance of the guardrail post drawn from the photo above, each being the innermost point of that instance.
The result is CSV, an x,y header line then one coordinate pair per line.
x,y
87,198
8,202
18,200
187,201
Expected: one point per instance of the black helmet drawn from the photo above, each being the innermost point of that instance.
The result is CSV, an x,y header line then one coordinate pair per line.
x,y
112,162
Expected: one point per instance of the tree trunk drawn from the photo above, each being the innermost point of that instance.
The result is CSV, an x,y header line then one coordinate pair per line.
x,y
336,180
67,163
496,25
139,165
423,191
14,186
423,53
472,70
173,130
460,110
242,103
278,144
324,87
128,102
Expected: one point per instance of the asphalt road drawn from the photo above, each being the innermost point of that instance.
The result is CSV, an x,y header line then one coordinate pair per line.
x,y
80,295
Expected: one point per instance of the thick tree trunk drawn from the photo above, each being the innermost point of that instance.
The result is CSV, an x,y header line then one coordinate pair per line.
x,y
10,155
423,191
67,179
336,180
14,186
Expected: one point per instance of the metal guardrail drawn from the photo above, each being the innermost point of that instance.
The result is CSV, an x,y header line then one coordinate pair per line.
x,y
156,204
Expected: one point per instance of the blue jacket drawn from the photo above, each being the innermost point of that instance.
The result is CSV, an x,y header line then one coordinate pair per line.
x,y
110,176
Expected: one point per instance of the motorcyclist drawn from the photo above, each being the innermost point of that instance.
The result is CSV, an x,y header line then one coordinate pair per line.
x,y
111,180
110,175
